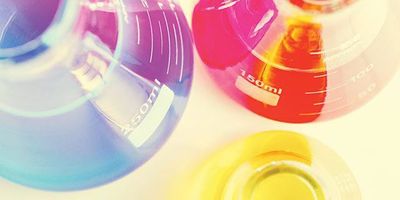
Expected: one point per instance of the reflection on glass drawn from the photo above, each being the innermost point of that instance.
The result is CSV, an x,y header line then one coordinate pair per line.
x,y
273,165
295,60
89,90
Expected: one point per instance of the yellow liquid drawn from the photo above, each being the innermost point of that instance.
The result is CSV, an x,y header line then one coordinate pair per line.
x,y
273,165
286,183
284,187
261,167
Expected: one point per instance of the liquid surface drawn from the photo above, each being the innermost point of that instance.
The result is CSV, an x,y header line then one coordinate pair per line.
x,y
273,165
284,187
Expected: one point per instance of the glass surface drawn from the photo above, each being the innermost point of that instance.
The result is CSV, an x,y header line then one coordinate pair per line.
x,y
89,89
295,60
273,165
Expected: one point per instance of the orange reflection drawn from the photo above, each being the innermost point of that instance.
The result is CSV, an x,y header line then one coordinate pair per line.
x,y
290,62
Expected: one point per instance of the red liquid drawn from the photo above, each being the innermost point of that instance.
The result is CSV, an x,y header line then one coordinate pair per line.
x,y
296,51
299,67
236,32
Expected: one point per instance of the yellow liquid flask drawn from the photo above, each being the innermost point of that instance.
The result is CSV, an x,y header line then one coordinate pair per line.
x,y
273,165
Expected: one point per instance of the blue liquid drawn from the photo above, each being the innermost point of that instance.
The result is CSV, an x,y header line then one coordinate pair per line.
x,y
98,111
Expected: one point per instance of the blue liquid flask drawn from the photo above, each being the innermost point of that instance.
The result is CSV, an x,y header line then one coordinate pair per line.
x,y
89,90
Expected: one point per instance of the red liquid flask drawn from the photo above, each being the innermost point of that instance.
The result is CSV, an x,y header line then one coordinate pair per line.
x,y
298,61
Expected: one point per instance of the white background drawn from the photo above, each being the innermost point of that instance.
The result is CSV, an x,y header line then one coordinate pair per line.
x,y
368,139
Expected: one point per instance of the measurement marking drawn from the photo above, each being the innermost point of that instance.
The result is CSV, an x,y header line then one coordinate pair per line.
x,y
93,46
152,37
256,92
176,45
162,38
154,118
138,28
169,42
343,48
328,90
328,111
182,47
328,102
326,74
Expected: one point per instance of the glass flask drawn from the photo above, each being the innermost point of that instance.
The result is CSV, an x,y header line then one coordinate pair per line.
x,y
89,89
273,165
298,61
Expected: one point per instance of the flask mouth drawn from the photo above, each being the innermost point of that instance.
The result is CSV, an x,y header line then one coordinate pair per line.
x,y
26,29
273,165
322,6
273,180
53,55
